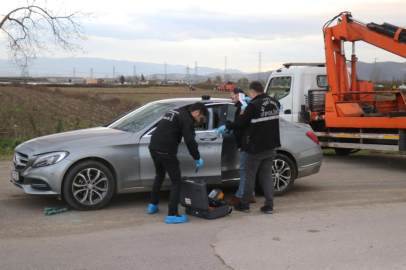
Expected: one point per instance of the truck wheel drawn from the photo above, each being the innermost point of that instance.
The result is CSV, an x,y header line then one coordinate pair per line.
x,y
89,185
284,173
343,151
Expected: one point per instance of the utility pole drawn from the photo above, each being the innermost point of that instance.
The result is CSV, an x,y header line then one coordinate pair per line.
x,y
376,59
134,71
74,72
195,78
225,70
91,73
187,77
166,78
114,72
259,67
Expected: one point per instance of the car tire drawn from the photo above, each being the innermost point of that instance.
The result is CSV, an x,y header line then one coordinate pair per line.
x,y
284,173
89,185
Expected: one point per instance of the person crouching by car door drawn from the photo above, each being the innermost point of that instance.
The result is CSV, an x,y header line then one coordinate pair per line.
x,y
165,140
260,140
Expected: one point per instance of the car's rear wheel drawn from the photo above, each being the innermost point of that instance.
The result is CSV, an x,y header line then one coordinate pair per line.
x,y
88,185
284,173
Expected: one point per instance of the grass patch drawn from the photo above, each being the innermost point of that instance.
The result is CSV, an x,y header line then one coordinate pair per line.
x,y
7,145
139,95
6,158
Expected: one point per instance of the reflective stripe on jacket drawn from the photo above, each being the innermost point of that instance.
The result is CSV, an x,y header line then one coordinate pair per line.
x,y
261,125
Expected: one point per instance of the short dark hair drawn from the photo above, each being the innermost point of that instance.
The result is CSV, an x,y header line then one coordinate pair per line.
x,y
238,90
256,86
198,106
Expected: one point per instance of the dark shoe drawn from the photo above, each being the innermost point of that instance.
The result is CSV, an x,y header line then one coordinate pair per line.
x,y
267,209
234,201
240,207
176,219
253,199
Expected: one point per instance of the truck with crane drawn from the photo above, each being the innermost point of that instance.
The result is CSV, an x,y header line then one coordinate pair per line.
x,y
346,114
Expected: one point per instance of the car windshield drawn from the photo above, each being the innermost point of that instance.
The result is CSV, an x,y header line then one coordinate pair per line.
x,y
279,87
141,117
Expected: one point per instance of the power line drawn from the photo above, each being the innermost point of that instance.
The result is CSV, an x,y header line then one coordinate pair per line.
x,y
166,78
195,78
187,77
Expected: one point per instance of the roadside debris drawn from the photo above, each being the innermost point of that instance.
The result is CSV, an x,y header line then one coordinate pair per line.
x,y
52,211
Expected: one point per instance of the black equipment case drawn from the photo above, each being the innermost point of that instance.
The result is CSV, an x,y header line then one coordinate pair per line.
x,y
194,199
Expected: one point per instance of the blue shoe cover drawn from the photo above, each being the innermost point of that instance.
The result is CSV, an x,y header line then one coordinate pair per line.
x,y
152,209
176,219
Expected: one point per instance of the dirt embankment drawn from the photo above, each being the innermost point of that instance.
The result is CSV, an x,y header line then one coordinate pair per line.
x,y
36,111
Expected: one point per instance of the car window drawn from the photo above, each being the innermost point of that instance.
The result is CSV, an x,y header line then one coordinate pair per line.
x,y
279,87
212,119
141,117
231,109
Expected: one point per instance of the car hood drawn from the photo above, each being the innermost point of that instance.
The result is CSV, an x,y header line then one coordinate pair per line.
x,y
75,139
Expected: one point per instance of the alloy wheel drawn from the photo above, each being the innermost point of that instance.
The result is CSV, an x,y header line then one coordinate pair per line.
x,y
282,174
90,186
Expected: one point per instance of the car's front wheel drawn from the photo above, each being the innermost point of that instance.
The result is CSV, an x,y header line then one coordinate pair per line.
x,y
284,173
88,185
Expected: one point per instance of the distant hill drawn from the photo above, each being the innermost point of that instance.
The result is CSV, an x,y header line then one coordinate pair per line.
x,y
383,71
103,68
64,67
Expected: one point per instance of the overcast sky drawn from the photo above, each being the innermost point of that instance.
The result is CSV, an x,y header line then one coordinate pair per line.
x,y
182,32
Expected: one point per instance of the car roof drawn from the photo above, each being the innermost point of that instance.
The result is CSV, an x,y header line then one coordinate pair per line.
x,y
184,101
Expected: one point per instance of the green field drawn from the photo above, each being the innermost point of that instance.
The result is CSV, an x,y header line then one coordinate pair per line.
x,y
140,95
33,111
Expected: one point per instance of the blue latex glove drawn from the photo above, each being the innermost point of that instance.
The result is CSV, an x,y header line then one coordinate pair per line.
x,y
221,130
247,99
243,107
199,163
231,132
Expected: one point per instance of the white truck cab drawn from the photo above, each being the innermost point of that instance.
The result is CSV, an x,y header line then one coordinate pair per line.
x,y
291,84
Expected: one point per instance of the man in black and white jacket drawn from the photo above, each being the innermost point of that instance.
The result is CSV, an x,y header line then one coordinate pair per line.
x,y
175,125
260,122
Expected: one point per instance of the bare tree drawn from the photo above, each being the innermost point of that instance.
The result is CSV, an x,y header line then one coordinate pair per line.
x,y
27,28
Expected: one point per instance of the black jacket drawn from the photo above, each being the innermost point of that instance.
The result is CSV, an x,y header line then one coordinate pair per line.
x,y
175,124
238,133
260,122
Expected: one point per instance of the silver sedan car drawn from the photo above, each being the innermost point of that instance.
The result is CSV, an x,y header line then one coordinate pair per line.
x,y
86,167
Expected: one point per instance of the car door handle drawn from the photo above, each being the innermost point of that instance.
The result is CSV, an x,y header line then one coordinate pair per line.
x,y
287,112
208,138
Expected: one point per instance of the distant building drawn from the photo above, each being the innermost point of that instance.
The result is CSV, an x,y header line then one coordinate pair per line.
x,y
171,82
93,81
143,82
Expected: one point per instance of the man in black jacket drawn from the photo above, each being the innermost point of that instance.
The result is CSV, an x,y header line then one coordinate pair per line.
x,y
260,140
175,124
238,135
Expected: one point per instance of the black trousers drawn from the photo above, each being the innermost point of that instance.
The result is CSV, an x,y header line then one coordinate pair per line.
x,y
166,163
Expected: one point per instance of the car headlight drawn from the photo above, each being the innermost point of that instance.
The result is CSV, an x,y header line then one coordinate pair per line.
x,y
49,159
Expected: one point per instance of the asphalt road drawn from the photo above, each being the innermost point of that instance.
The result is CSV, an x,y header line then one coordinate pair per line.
x,y
349,216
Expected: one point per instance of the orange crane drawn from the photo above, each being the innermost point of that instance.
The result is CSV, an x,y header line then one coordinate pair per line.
x,y
347,98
